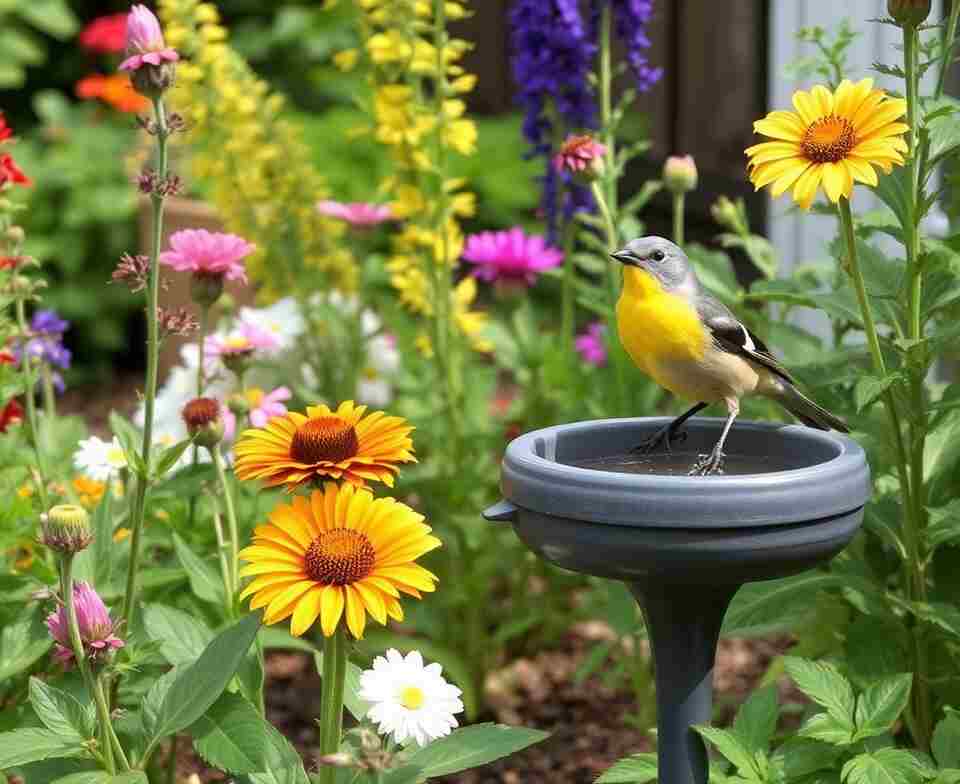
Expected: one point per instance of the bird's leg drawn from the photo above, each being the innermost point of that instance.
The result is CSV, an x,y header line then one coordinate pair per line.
x,y
669,432
713,463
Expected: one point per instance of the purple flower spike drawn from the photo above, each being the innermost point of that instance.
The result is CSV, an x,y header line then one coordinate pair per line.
x,y
96,626
145,44
47,322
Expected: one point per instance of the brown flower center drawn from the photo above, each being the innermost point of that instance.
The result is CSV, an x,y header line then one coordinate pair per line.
x,y
326,438
828,140
339,557
200,411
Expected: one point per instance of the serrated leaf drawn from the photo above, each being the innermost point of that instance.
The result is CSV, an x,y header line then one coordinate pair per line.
x,y
22,643
204,580
881,705
233,736
61,713
756,720
870,388
199,685
946,741
635,769
102,777
944,524
824,684
875,649
732,748
153,702
801,756
886,766
776,605
182,637
169,456
823,726
31,744
469,747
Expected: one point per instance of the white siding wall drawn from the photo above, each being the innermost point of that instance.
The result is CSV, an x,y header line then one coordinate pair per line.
x,y
798,236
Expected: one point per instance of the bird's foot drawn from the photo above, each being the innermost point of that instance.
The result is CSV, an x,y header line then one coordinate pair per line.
x,y
666,435
709,465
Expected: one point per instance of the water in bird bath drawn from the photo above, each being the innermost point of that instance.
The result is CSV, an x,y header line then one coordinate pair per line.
x,y
679,463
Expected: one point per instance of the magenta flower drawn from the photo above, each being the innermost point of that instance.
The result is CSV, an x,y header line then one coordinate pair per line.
x,y
93,618
263,407
580,155
243,340
145,44
510,255
209,253
591,345
359,214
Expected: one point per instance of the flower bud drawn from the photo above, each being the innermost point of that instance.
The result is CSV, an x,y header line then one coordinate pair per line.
x,y
908,13
205,289
238,404
204,423
153,81
726,214
582,157
680,174
66,528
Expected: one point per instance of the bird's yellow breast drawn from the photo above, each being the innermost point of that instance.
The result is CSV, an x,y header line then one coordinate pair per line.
x,y
657,328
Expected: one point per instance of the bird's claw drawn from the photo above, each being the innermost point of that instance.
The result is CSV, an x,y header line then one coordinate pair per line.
x,y
664,436
708,465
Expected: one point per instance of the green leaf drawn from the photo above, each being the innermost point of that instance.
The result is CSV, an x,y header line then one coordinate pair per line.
x,y
886,766
894,190
635,769
946,741
182,637
62,713
870,388
944,525
198,686
31,744
469,747
757,719
153,702
802,756
169,456
732,748
234,737
204,580
943,130
251,675
276,638
102,777
823,726
22,643
824,684
776,605
881,705
875,649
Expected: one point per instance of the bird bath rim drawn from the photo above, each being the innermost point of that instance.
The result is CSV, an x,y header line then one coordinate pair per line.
x,y
832,477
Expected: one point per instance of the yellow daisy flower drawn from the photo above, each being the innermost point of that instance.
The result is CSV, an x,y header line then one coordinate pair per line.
x,y
294,449
340,553
833,139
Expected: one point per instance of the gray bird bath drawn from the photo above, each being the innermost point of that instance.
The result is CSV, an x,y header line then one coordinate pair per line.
x,y
684,545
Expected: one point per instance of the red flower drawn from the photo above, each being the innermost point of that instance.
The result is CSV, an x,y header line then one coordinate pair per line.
x,y
106,34
12,414
5,130
115,90
10,172
7,357
10,262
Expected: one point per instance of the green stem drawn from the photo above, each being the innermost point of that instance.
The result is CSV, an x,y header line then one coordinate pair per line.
x,y
949,34
49,396
204,321
331,709
910,41
217,458
80,656
28,396
678,199
153,352
568,304
222,550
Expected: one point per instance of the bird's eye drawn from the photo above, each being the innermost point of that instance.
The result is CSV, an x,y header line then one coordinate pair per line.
x,y
657,255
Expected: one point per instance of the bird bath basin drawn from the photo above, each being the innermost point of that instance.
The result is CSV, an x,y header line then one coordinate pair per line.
x,y
793,497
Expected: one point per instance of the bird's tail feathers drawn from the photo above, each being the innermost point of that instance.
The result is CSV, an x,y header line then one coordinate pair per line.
x,y
808,412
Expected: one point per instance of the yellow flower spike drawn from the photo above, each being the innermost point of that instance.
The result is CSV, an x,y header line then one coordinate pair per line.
x,y
346,60
337,557
831,141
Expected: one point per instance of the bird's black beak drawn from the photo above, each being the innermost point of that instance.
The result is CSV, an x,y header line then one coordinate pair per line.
x,y
624,257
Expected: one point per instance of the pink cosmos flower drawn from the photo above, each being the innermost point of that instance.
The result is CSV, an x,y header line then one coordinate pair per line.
x,y
510,255
244,339
359,214
93,618
579,154
208,253
263,407
145,44
591,345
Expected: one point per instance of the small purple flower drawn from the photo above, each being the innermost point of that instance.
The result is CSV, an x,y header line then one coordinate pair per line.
x,y
591,345
145,44
47,322
630,20
93,618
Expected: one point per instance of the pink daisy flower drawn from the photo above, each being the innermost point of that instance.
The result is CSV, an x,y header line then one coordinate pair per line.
x,y
145,44
359,214
93,618
263,407
580,154
244,339
591,344
209,253
510,255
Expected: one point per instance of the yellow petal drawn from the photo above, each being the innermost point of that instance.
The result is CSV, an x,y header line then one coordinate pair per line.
x,y
865,111
286,600
779,128
268,567
862,171
886,131
270,552
847,102
886,113
266,595
331,608
308,608
833,181
768,172
783,183
373,601
355,613
805,188
823,99
772,151
806,107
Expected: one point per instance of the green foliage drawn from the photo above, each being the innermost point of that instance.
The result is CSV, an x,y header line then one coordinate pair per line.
x,y
23,26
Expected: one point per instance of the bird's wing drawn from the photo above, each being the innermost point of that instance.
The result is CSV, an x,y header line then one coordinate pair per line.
x,y
732,335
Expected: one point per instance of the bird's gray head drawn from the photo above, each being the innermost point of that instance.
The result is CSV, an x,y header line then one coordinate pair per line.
x,y
662,259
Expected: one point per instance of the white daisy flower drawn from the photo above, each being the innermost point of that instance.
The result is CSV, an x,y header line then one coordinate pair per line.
x,y
98,459
282,319
410,700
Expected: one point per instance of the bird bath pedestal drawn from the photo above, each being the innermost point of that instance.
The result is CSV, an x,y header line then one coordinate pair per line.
x,y
684,545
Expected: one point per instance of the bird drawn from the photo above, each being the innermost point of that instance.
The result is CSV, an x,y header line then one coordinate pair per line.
x,y
694,346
